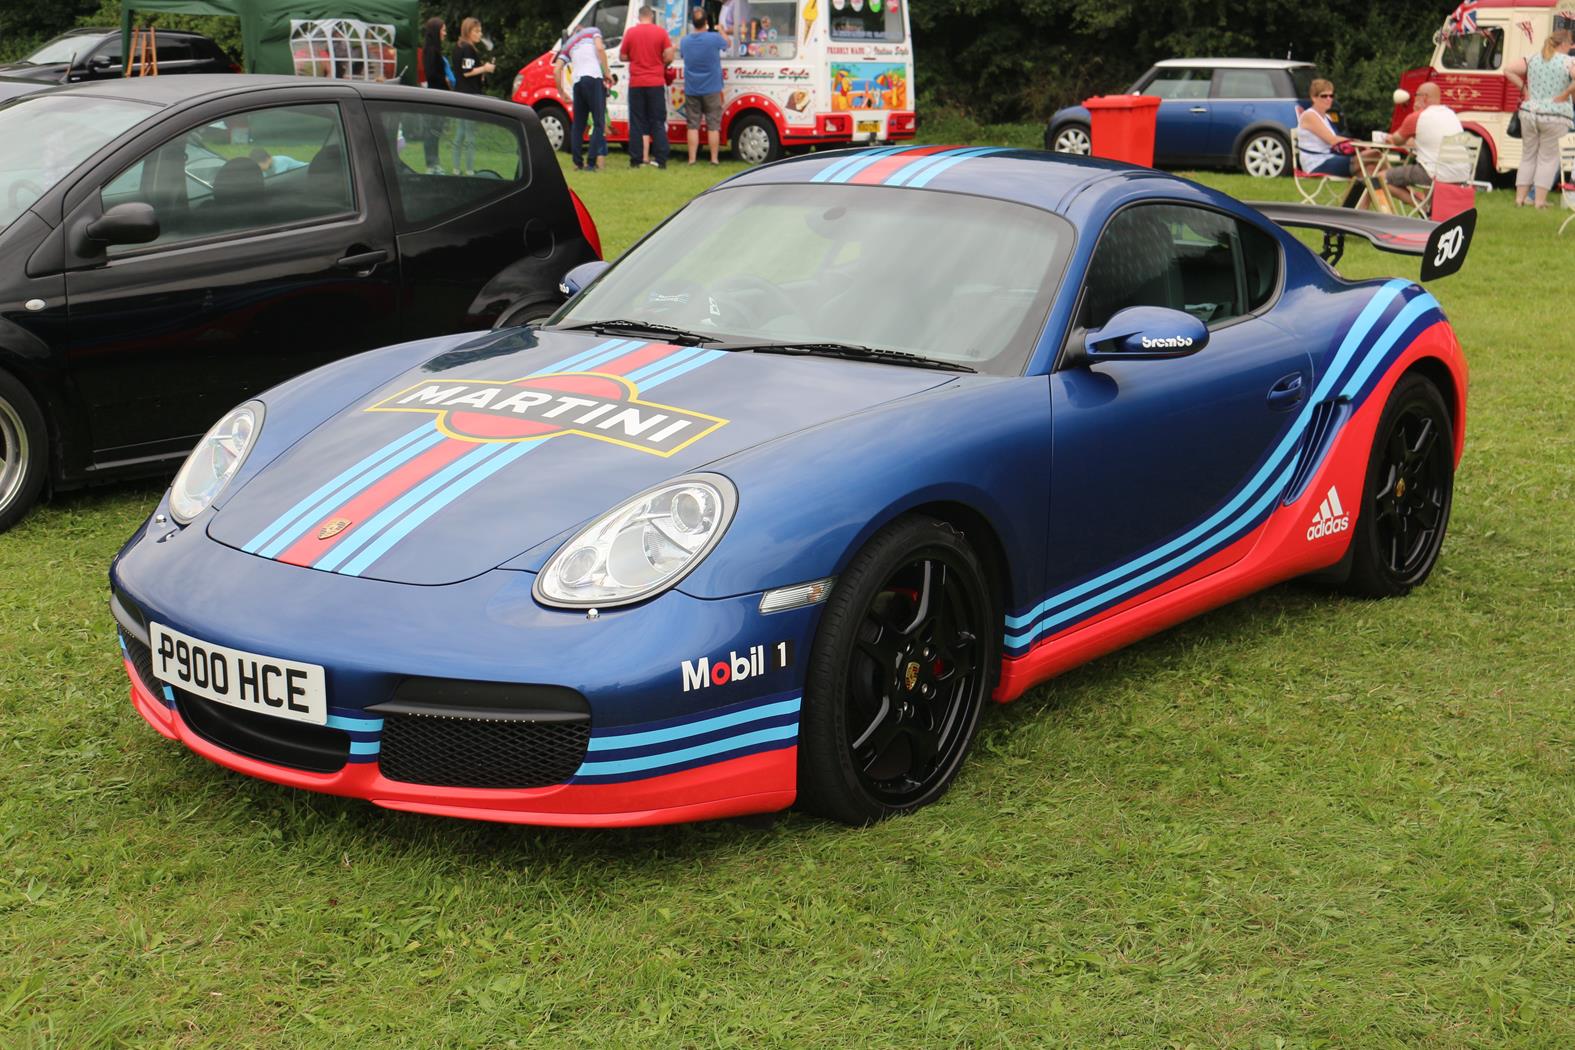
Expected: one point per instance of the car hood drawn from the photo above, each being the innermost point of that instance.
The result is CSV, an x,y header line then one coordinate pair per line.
x,y
488,450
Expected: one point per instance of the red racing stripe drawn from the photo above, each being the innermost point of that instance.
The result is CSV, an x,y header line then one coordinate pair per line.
x,y
886,167
636,359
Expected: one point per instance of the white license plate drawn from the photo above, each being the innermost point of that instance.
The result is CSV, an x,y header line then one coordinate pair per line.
x,y
264,684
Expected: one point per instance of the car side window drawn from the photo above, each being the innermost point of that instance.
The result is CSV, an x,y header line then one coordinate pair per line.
x,y
1170,83
262,169
1202,262
428,186
1245,83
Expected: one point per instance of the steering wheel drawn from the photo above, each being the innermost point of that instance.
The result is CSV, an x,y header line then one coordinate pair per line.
x,y
22,186
756,313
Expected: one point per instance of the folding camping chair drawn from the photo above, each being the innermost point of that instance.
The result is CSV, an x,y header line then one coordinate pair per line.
x,y
1457,155
1312,186
1567,178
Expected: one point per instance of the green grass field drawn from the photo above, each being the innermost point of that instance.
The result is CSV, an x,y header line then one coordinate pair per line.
x,y
1302,820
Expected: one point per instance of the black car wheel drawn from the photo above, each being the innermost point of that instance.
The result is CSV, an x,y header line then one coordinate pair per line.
x,y
901,666
554,122
1265,155
23,451
1407,494
1070,138
754,139
529,313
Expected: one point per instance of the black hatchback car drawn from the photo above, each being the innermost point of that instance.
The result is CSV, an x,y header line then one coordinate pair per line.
x,y
170,247
96,54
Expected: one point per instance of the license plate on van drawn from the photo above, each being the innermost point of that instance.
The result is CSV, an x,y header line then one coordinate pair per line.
x,y
869,127
262,684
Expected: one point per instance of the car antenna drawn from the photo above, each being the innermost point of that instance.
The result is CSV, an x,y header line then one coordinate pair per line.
x,y
64,77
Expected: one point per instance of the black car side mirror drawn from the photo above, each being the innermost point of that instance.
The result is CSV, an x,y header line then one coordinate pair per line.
x,y
101,62
129,223
1144,333
581,276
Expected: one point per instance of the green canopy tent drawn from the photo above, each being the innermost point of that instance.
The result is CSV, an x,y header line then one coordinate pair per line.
x,y
343,38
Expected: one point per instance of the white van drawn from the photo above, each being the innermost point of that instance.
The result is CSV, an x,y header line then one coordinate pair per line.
x,y
1469,71
801,73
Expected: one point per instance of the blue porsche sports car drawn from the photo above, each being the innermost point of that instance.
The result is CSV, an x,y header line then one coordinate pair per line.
x,y
770,509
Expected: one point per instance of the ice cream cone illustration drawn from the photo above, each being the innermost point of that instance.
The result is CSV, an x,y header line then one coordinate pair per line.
x,y
811,12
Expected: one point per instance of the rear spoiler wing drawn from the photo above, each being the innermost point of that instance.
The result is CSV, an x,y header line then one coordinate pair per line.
x,y
1442,245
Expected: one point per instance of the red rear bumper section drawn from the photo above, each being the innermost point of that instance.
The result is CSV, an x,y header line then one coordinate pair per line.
x,y
759,783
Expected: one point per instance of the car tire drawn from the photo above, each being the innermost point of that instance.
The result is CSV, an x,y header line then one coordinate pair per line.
x,y
905,655
754,140
554,120
1265,155
529,313
24,451
1070,138
1407,494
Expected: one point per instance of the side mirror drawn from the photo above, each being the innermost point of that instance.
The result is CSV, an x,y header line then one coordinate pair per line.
x,y
581,276
130,223
101,62
1145,333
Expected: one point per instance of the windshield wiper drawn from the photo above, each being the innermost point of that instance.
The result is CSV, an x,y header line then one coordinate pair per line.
x,y
666,331
853,352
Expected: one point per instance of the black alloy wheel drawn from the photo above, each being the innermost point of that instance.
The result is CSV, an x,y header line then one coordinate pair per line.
x,y
1408,493
904,658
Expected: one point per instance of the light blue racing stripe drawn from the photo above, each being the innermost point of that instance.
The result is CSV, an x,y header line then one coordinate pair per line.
x,y
169,695
625,741
904,175
688,366
355,725
311,508
596,355
923,178
831,171
1138,582
365,747
389,514
639,375
1357,333
688,754
442,499
870,158
1413,310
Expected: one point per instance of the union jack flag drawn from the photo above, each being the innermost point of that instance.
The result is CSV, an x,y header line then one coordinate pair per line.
x,y
1464,19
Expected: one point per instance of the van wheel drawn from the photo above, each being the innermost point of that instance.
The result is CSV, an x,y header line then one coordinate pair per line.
x,y
555,122
24,450
754,139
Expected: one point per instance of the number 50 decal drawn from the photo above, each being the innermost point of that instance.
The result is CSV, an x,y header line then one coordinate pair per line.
x,y
1447,245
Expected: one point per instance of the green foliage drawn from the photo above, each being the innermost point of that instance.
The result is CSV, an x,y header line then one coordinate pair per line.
x,y
520,30
24,26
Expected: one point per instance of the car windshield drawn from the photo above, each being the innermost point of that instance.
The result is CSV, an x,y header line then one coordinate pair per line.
x,y
959,279
61,131
60,49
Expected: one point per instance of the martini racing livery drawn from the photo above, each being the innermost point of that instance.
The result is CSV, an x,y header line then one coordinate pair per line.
x,y
850,445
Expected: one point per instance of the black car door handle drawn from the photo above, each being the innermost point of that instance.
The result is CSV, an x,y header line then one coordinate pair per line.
x,y
1287,391
362,261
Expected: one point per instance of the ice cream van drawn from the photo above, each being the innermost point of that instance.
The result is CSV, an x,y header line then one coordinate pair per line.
x,y
799,73
1469,71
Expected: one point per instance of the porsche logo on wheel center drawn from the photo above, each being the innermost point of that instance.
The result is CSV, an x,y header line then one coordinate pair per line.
x,y
910,676
590,404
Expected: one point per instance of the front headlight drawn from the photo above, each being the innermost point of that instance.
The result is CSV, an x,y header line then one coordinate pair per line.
x,y
642,547
214,461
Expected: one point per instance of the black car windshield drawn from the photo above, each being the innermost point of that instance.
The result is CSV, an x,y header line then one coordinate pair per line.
x,y
953,278
60,131
60,49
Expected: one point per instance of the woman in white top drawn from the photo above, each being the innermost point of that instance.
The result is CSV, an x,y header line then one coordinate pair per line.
x,y
1317,139
1548,81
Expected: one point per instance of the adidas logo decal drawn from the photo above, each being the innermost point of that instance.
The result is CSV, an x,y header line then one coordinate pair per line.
x,y
1330,519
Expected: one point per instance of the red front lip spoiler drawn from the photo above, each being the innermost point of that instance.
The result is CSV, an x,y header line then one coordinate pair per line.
x,y
760,783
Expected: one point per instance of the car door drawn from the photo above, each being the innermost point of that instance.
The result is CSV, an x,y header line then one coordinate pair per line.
x,y
1181,127
1157,460
1239,99
275,254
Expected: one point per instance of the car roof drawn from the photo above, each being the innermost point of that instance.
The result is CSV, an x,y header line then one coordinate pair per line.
x,y
1034,177
1235,63
106,30
167,91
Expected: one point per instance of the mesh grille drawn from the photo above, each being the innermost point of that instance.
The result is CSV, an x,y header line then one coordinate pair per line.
x,y
483,753
142,660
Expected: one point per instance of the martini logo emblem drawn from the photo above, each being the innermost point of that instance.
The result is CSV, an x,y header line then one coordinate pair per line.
x,y
592,405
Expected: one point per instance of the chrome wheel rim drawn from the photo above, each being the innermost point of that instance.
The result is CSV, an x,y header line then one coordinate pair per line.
x,y
13,453
754,144
1264,157
1073,140
552,124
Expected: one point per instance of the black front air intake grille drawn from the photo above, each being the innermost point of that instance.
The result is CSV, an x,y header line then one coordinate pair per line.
x,y
267,738
446,751
142,660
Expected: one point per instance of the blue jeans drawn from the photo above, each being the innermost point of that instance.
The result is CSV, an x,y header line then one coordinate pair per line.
x,y
590,106
648,116
464,145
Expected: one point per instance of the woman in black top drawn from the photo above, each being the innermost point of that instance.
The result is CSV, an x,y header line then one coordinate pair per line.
x,y
468,72
432,65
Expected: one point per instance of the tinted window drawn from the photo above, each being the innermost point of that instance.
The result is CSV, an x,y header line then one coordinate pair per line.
x,y
1246,83
424,193
1301,82
1179,83
1480,50
1201,262
61,49
249,171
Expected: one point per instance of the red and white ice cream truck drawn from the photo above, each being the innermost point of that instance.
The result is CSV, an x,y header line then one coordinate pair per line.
x,y
1469,63
799,73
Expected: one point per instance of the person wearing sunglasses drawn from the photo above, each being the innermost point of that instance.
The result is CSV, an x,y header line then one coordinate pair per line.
x,y
1324,150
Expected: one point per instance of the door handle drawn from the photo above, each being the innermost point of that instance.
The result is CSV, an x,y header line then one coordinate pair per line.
x,y
1200,109
1287,392
362,262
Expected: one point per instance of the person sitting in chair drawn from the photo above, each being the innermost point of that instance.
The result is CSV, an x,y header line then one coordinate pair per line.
x,y
1423,134
1324,150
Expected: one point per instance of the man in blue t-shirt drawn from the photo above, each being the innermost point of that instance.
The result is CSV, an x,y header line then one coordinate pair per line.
x,y
702,51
